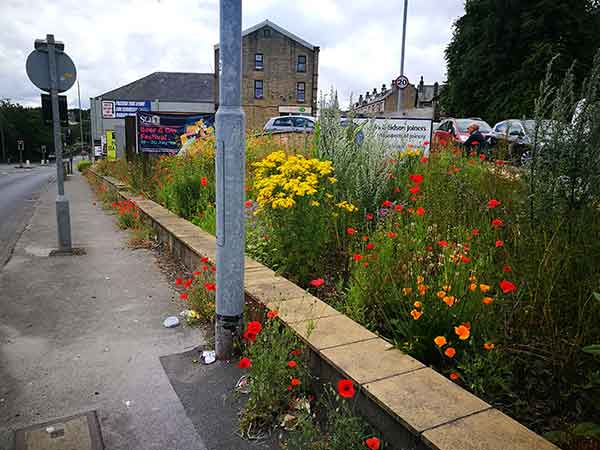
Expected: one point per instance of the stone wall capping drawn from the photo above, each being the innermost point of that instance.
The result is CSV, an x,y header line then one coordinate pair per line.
x,y
413,406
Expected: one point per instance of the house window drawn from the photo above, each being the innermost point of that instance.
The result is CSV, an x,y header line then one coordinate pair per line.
x,y
258,89
300,90
259,61
267,32
301,66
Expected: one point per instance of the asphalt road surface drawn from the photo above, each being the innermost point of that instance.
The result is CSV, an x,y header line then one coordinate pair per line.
x,y
19,191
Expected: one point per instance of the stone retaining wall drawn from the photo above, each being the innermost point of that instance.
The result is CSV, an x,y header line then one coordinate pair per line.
x,y
413,406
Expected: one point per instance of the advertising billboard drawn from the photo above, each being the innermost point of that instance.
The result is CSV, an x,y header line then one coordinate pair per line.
x,y
401,133
111,146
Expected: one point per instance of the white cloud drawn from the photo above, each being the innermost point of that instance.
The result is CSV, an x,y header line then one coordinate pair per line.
x,y
114,42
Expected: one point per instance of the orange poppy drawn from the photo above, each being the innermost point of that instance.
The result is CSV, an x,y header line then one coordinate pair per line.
x,y
454,376
416,315
450,352
462,332
484,288
488,345
449,300
440,341
487,300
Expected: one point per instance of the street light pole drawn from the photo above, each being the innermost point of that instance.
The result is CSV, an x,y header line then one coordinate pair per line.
x,y
62,203
80,118
401,91
230,172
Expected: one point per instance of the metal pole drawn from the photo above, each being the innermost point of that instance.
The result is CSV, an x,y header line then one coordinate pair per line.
x,y
401,91
62,203
80,118
2,143
230,171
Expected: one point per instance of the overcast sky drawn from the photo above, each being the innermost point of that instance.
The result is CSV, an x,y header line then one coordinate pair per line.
x,y
116,42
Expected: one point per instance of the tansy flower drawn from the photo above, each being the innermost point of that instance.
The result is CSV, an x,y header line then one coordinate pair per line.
x,y
462,332
450,352
484,288
317,282
488,346
292,364
487,300
373,443
416,315
418,304
440,341
454,376
507,287
497,223
449,300
493,203
345,388
244,363
407,291
272,314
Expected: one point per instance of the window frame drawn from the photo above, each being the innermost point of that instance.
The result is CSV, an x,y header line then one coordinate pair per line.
x,y
304,64
298,91
261,88
262,62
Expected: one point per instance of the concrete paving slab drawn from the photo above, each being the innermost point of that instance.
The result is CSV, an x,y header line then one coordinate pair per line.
x,y
331,331
300,309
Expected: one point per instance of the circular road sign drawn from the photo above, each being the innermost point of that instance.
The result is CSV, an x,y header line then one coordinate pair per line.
x,y
402,82
39,73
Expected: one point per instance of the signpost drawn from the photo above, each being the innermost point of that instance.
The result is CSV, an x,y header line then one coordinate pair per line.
x,y
20,147
51,70
401,79
43,148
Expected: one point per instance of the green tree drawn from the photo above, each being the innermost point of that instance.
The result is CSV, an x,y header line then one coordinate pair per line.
x,y
18,122
500,50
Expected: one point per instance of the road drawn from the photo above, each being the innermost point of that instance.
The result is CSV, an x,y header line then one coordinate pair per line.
x,y
19,191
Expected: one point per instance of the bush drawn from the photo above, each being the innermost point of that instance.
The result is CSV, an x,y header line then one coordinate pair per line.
x,y
83,165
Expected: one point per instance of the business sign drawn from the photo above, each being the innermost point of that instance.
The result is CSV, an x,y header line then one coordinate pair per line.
x,y
126,108
97,147
108,109
295,109
111,146
166,133
401,133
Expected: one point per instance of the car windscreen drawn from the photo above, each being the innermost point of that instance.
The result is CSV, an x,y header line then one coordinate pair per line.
x,y
545,127
463,125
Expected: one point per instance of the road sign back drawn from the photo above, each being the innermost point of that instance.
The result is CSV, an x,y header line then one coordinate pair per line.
x,y
38,70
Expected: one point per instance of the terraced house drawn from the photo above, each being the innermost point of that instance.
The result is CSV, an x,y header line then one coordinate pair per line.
x,y
279,74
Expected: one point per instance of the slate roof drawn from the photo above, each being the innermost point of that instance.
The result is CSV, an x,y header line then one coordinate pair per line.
x,y
167,87
268,23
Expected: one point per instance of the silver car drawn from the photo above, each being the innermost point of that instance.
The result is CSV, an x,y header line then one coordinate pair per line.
x,y
291,123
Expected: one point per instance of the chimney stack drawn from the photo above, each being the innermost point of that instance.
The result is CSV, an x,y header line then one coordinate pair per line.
x,y
383,88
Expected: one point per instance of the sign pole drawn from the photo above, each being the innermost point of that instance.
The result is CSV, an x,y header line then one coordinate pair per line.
x,y
20,146
230,172
62,203
401,91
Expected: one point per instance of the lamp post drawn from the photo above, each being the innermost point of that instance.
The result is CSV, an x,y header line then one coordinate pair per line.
x,y
230,171
401,91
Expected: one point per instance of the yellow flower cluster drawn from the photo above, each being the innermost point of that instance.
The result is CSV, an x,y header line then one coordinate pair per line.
x,y
411,152
347,206
281,179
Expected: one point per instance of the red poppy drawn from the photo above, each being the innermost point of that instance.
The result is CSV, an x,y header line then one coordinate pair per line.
x,y
413,190
317,282
350,231
475,143
499,243
254,327
392,235
493,203
249,336
499,162
204,181
443,142
188,283
179,281
497,223
397,190
357,257
373,443
365,238
292,364
420,211
416,178
296,352
183,296
244,363
387,204
366,264
210,286
204,259
424,159
248,203
426,143
205,268
295,382
442,243
272,314
475,232
465,259
398,208
196,273
506,268
482,157
369,216
507,287
345,388
370,246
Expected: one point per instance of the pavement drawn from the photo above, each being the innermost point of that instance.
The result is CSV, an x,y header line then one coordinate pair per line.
x,y
82,333
19,191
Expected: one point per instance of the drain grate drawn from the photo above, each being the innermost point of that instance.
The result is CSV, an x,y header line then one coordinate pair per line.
x,y
75,251
80,432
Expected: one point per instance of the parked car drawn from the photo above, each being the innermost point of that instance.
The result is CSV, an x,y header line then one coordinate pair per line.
x,y
519,137
455,130
291,123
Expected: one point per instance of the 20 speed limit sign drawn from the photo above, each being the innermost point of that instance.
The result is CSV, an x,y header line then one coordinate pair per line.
x,y
402,82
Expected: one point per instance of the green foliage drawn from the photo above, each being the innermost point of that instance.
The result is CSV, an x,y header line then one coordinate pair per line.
x,y
500,49
18,122
201,293
84,165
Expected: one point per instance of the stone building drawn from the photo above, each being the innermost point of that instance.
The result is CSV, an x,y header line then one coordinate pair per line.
x,y
279,74
417,101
